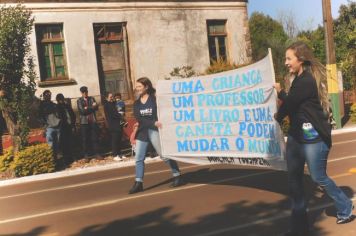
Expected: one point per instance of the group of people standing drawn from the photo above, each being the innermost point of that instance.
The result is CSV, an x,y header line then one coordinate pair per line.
x,y
59,122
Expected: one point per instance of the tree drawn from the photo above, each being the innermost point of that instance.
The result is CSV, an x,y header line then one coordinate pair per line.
x,y
17,76
345,40
268,33
316,41
288,21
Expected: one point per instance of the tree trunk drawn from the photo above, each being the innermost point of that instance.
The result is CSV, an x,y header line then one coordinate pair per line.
x,y
12,127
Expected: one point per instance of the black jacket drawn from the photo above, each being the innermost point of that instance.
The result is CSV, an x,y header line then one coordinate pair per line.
x,y
66,115
303,99
146,120
112,116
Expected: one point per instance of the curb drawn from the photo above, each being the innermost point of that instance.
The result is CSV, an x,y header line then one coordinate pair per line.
x,y
348,129
110,166
74,172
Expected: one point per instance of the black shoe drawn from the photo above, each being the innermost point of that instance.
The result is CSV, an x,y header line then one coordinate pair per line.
x,y
177,181
346,220
340,221
138,187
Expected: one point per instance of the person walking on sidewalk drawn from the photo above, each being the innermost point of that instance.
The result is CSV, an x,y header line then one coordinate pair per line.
x,y
309,135
87,107
113,119
145,111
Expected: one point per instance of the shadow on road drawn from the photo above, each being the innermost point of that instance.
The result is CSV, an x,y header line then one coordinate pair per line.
x,y
234,219
34,232
162,222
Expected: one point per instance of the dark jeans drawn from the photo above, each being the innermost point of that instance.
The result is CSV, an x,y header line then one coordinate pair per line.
x,y
89,135
116,136
315,155
65,142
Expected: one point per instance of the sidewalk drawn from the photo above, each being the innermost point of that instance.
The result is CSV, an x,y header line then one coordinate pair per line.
x,y
348,128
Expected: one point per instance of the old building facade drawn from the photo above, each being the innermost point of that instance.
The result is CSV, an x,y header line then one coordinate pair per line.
x,y
107,45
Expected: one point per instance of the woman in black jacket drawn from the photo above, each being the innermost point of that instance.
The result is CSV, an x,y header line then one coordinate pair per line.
x,y
113,119
309,135
145,111
66,125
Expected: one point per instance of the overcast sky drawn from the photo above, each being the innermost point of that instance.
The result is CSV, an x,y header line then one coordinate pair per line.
x,y
307,12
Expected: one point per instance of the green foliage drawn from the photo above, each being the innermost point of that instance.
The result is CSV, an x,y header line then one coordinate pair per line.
x,y
17,76
182,72
353,113
315,40
6,159
265,33
34,159
345,40
220,66
345,43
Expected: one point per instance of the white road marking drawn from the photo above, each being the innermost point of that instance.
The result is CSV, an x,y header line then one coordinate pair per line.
x,y
92,183
123,178
104,203
344,142
342,158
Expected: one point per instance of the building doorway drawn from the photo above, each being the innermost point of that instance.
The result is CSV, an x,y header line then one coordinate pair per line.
x,y
112,58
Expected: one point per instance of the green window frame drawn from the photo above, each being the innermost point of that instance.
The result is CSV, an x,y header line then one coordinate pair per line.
x,y
51,52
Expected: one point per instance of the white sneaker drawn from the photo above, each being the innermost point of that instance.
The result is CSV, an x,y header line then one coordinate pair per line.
x,y
117,158
123,157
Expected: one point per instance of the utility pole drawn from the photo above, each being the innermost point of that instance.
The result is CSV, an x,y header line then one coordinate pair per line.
x,y
331,70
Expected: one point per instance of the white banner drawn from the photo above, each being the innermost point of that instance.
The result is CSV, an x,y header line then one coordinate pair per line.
x,y
224,118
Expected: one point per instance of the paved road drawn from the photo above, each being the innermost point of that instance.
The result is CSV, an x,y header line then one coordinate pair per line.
x,y
217,200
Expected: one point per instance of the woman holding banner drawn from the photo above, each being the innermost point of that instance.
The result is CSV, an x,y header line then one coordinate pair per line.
x,y
145,111
309,135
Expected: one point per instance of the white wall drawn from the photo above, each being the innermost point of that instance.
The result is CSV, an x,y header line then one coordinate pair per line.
x,y
161,36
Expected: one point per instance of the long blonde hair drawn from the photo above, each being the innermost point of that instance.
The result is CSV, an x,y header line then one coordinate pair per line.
x,y
304,54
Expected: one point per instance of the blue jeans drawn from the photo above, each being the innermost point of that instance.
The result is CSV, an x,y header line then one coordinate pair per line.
x,y
140,150
52,138
316,155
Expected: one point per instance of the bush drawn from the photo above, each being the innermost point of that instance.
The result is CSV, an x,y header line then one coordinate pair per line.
x,y
182,72
353,113
6,159
220,66
34,159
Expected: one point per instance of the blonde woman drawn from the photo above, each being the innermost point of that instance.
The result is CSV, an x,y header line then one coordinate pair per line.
x,y
309,135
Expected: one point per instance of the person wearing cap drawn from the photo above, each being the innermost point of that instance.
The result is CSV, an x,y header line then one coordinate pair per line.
x,y
87,108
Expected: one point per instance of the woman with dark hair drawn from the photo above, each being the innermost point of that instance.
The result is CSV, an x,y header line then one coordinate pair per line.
x,y
145,111
309,135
